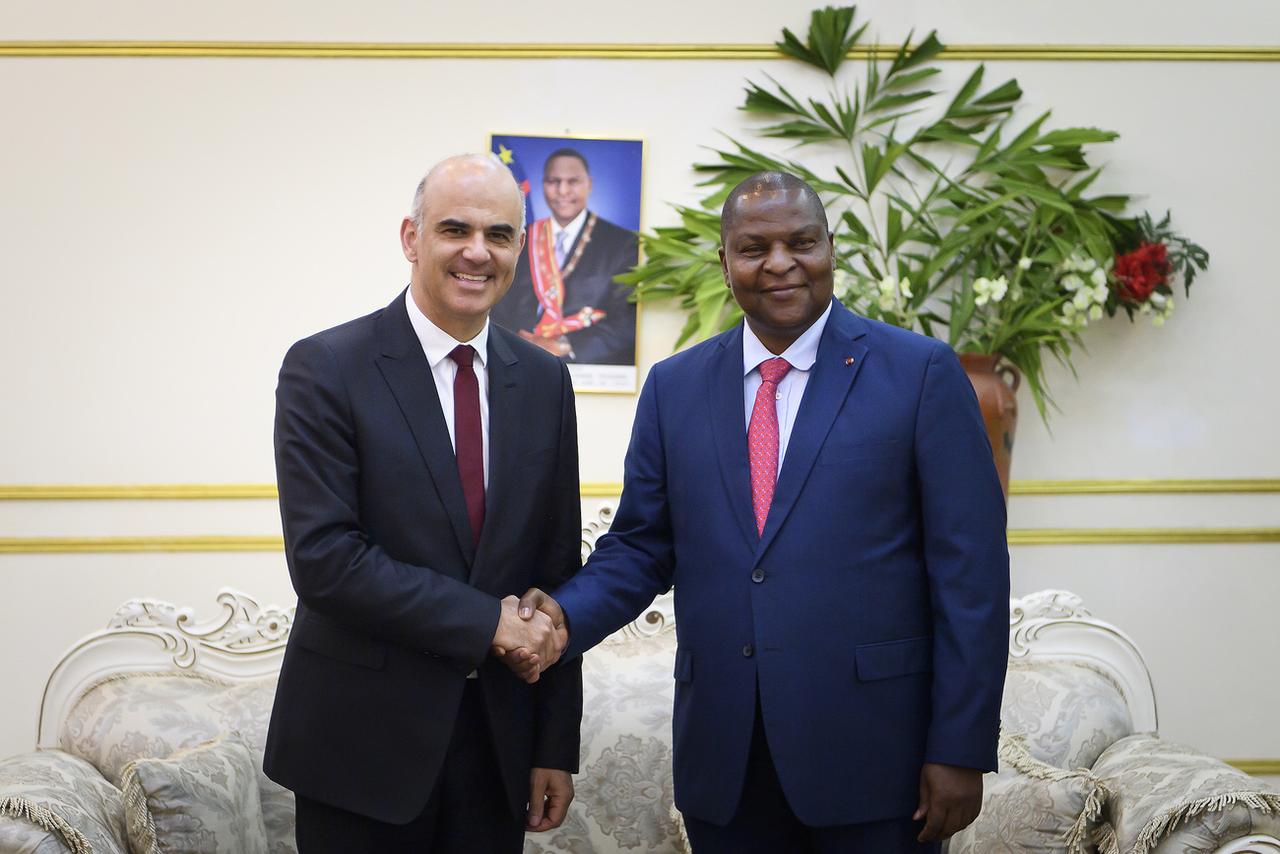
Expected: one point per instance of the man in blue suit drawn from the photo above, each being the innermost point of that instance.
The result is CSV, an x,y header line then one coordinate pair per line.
x,y
819,489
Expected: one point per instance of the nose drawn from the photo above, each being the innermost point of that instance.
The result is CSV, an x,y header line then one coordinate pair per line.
x,y
476,250
779,261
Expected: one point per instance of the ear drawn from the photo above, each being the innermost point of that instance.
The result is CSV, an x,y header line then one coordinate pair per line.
x,y
724,268
524,236
409,240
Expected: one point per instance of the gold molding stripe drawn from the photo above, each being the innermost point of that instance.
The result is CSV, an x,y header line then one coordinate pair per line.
x,y
1256,767
137,492
102,545
373,50
1144,485
1140,536
1017,537
610,489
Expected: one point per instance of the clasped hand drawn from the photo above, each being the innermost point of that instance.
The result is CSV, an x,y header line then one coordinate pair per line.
x,y
531,634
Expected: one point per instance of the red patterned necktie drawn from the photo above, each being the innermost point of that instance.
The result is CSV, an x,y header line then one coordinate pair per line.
x,y
762,438
468,438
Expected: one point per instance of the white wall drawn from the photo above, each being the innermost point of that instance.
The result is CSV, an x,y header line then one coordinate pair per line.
x,y
171,225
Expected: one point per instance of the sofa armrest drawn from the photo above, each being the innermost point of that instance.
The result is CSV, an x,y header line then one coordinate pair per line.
x,y
53,796
1167,798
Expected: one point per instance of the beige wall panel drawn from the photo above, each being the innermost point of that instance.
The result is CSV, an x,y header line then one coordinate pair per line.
x,y
170,226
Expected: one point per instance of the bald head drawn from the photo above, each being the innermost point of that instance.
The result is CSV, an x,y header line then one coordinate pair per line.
x,y
463,168
765,183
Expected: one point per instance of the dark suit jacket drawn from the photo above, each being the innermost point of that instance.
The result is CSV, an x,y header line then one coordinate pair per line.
x,y
395,606
873,612
612,341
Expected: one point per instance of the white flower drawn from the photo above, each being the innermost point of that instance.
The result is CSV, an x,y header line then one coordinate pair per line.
x,y
905,288
1072,282
1098,277
1095,313
843,280
1159,300
1081,263
1099,294
888,285
981,290
999,287
1158,320
1069,310
1082,299
1024,263
888,302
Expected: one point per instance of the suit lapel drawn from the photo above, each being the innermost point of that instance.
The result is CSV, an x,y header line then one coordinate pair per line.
x,y
504,406
728,425
840,357
405,369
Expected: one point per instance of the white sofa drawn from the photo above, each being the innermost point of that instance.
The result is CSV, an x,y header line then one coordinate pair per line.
x,y
135,712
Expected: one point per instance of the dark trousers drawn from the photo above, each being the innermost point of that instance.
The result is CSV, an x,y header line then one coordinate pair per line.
x,y
765,824
466,813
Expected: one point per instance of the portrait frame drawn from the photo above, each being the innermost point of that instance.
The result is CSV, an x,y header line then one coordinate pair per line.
x,y
614,205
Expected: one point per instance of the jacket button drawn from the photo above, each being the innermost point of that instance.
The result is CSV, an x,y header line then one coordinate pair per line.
x,y
748,651
757,575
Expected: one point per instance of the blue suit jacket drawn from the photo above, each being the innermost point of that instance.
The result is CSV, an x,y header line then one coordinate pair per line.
x,y
873,612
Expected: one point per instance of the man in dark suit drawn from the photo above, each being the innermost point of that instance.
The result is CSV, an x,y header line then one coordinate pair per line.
x,y
820,490
564,298
428,469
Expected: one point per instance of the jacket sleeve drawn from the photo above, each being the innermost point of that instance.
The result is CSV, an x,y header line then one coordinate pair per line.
x,y
635,560
559,690
336,569
967,559
612,341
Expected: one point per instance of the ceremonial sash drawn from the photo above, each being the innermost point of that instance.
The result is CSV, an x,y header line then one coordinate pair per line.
x,y
548,281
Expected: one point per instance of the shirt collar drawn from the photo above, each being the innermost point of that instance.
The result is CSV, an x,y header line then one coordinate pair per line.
x,y
574,226
802,353
438,344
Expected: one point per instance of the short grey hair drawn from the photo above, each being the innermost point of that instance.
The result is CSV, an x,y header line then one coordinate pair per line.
x,y
415,209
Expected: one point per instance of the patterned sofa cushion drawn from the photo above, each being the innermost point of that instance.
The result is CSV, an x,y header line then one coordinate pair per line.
x,y
202,800
62,804
1031,807
623,799
153,715
1069,711
1172,799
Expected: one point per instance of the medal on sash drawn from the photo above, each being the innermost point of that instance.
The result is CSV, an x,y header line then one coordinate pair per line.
x,y
548,281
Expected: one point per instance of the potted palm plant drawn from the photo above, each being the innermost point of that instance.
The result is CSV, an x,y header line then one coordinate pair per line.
x,y
952,215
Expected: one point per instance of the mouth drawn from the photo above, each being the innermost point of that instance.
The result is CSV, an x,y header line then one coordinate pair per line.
x,y
784,289
469,279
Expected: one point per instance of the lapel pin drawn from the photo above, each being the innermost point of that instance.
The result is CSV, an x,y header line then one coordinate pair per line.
x,y
848,360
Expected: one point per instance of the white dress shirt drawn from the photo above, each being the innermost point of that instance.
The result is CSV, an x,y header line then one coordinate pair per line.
x,y
436,346
802,353
571,230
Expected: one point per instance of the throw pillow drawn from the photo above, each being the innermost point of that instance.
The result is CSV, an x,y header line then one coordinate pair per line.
x,y
203,800
1031,807
1170,798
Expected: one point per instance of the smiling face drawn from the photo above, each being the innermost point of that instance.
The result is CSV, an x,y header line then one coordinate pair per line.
x,y
566,186
465,251
777,261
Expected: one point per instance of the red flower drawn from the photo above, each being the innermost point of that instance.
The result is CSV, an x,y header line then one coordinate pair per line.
x,y
1142,271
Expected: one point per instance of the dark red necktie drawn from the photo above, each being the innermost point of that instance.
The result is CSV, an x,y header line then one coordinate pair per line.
x,y
468,438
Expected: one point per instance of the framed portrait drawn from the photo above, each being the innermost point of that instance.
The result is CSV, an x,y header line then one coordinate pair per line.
x,y
582,206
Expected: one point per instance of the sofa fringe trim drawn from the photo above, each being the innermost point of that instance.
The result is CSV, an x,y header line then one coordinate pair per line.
x,y
43,817
678,818
1013,751
1162,825
1104,836
137,817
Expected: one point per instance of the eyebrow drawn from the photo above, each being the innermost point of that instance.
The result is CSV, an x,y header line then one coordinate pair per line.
x,y
803,231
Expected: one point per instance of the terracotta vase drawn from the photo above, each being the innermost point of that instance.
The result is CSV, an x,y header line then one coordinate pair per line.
x,y
995,383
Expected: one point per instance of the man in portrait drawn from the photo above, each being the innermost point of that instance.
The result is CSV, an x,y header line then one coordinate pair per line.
x,y
427,464
819,489
564,298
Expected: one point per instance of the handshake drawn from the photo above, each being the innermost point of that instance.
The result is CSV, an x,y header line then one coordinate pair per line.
x,y
531,634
